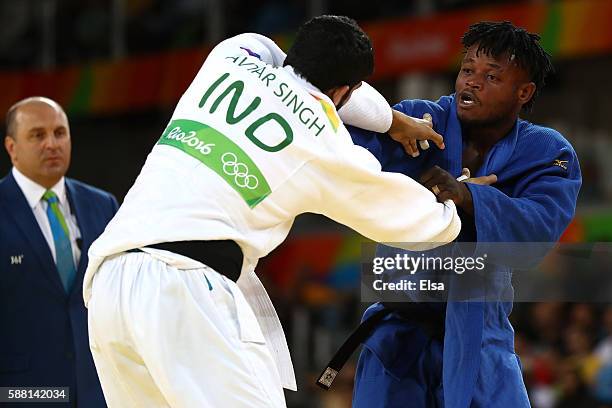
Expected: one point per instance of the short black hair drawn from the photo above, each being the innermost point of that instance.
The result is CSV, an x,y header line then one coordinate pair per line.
x,y
498,38
331,51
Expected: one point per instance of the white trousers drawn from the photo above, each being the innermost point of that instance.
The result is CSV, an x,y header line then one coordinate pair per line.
x,y
166,337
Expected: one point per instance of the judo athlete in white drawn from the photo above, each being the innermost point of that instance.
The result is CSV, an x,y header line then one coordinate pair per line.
x,y
251,144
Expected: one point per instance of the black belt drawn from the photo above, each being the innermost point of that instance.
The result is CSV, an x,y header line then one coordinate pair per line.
x,y
431,321
224,256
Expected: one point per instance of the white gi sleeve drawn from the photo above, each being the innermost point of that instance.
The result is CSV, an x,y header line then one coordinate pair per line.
x,y
367,109
385,207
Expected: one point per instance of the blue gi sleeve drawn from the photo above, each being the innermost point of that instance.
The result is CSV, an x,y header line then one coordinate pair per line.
x,y
391,154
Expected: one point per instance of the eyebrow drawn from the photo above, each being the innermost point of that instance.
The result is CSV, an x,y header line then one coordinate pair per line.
x,y
490,64
38,128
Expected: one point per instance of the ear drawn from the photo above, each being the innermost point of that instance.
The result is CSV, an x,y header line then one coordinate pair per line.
x,y
525,92
338,93
9,145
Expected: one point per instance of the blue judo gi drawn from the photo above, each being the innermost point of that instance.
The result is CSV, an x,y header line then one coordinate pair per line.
x,y
533,200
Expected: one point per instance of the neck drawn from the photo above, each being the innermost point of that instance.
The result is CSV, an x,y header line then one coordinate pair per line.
x,y
483,137
46,182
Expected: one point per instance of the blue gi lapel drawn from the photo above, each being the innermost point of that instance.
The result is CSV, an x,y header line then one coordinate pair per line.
x,y
453,140
16,206
465,320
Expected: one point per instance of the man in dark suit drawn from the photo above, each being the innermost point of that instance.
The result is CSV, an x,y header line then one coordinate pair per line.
x,y
47,223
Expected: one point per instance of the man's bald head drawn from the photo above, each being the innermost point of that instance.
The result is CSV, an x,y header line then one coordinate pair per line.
x,y
12,113
38,139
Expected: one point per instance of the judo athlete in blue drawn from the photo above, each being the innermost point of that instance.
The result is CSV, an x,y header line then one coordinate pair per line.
x,y
533,199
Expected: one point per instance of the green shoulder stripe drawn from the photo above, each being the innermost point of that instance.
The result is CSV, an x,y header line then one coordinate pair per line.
x,y
220,154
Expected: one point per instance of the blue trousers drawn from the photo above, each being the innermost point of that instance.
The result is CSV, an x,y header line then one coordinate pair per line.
x,y
415,382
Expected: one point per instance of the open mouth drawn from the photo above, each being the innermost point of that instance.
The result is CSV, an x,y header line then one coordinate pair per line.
x,y
467,99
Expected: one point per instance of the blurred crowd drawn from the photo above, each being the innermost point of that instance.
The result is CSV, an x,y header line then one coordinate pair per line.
x,y
566,353
565,349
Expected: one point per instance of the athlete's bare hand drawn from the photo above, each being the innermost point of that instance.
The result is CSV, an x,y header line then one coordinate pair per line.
x,y
446,187
408,130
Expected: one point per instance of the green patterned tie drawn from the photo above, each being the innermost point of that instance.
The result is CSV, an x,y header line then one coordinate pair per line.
x,y
61,240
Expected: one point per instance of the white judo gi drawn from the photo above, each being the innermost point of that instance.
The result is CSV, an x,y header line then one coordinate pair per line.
x,y
250,146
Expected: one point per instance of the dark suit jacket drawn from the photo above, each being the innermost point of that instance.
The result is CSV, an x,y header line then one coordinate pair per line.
x,y
43,331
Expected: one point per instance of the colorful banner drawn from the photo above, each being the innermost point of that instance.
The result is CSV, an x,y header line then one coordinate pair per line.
x,y
134,84
570,28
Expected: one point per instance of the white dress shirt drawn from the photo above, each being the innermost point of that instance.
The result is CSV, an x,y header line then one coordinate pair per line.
x,y
34,192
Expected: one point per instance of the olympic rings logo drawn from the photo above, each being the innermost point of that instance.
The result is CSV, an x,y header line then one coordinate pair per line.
x,y
240,171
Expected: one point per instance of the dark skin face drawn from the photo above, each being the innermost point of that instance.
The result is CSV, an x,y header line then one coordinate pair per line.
x,y
490,93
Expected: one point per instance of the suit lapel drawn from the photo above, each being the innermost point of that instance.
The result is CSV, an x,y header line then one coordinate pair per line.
x,y
16,206
86,222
